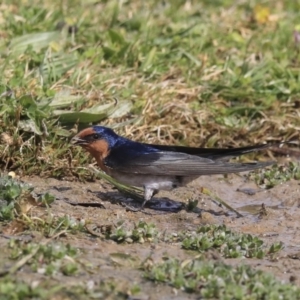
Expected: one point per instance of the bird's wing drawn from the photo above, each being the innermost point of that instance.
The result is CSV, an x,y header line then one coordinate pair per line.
x,y
178,164
213,153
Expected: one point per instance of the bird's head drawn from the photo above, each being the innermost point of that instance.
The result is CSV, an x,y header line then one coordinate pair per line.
x,y
97,140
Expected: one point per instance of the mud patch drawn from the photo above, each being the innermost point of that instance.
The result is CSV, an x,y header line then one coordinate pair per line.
x,y
119,262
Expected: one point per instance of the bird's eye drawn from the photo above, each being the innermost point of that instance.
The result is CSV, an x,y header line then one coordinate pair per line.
x,y
96,136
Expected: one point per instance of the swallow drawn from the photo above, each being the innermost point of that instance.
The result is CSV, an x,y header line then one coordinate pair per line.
x,y
159,167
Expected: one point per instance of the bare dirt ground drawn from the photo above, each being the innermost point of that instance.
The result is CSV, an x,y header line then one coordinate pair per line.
x,y
281,223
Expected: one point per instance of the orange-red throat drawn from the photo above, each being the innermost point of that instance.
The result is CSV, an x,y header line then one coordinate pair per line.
x,y
91,141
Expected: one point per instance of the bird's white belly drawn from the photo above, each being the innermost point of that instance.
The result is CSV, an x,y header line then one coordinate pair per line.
x,y
150,181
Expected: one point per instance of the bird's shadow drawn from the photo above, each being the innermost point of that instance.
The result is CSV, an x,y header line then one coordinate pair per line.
x,y
165,205
159,204
162,204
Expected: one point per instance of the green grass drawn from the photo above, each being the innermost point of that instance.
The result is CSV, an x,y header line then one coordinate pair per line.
x,y
198,73
224,75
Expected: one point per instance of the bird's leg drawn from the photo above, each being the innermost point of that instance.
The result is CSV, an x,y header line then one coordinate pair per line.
x,y
148,194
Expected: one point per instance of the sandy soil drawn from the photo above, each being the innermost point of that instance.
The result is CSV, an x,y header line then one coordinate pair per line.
x,y
281,223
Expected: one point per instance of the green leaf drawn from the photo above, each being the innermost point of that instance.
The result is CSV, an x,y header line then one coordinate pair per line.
x,y
121,109
81,117
95,113
63,99
148,62
30,126
191,57
116,37
55,64
36,41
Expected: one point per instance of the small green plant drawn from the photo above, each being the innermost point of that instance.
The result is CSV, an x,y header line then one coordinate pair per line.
x,y
268,178
12,289
140,233
46,199
230,244
48,259
51,225
191,205
16,198
11,189
216,280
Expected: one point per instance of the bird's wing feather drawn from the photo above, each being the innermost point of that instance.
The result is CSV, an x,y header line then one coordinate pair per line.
x,y
212,153
178,164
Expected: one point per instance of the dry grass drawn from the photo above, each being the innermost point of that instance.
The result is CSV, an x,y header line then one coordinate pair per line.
x,y
197,74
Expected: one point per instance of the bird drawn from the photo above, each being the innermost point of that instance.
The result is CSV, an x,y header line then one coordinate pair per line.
x,y
159,167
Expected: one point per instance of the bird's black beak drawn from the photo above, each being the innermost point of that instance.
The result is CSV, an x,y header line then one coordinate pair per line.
x,y
77,141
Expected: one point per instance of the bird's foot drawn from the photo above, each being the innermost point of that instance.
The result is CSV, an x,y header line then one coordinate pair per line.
x,y
136,209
